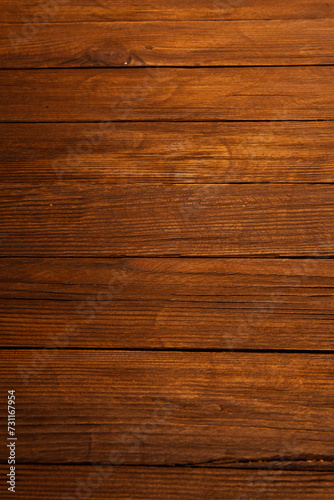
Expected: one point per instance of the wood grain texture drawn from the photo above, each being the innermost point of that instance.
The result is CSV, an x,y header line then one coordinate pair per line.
x,y
136,10
158,408
205,369
168,303
282,93
166,483
148,220
280,152
185,43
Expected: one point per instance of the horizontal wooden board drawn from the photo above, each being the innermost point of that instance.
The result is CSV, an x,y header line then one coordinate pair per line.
x,y
171,408
168,303
276,93
280,152
132,10
165,43
156,220
165,483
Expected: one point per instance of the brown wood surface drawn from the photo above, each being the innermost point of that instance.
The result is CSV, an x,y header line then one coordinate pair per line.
x,y
166,43
160,408
168,303
180,220
155,152
276,93
279,152
166,248
144,10
165,483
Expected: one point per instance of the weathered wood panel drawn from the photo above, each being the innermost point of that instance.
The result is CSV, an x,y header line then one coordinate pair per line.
x,y
170,408
276,93
149,220
163,483
168,303
279,152
135,10
211,43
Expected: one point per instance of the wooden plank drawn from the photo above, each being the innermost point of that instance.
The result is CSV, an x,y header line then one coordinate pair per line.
x,y
277,93
103,482
171,408
135,10
185,43
280,152
156,220
168,303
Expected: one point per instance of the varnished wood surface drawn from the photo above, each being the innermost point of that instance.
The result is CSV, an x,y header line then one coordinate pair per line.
x,y
168,303
136,10
164,408
275,93
179,220
166,43
166,248
279,152
164,483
